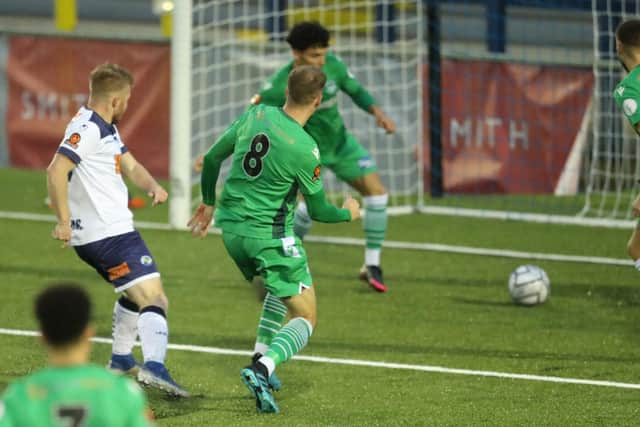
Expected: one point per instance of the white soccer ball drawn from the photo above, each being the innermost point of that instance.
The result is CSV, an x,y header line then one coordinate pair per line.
x,y
529,285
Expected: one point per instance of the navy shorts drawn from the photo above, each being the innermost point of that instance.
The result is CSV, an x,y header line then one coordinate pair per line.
x,y
122,260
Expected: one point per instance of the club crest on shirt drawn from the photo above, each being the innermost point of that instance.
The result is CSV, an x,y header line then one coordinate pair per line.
x,y
316,173
73,140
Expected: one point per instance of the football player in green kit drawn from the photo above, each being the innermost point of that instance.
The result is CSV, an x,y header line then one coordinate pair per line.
x,y
627,96
71,391
273,159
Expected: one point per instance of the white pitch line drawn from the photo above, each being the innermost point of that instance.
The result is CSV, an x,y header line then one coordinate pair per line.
x,y
349,241
371,364
529,217
467,250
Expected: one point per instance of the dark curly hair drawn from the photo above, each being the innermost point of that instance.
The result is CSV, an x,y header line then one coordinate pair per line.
x,y
629,33
308,34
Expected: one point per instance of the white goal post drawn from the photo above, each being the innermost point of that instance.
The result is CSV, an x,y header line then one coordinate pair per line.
x,y
180,146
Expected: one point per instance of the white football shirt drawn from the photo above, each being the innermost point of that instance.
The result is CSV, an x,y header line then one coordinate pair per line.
x,y
98,196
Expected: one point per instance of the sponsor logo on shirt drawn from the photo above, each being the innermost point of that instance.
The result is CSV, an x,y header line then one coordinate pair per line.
x,y
620,90
119,271
316,173
630,106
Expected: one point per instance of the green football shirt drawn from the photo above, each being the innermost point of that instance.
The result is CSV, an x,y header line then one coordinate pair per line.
x,y
84,395
627,96
326,125
272,159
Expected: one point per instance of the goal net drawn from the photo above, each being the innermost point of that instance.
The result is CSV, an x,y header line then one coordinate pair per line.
x,y
237,44
615,157
526,127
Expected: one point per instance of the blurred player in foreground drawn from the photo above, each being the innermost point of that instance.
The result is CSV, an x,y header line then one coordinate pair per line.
x,y
71,391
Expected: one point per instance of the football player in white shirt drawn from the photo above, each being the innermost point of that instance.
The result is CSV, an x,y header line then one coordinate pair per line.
x,y
89,198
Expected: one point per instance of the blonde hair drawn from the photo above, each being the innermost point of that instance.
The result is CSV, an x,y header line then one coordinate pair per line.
x,y
305,84
108,78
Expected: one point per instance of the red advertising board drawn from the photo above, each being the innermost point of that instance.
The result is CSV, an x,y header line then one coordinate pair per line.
x,y
507,128
48,82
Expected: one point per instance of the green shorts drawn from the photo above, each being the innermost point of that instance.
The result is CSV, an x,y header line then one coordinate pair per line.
x,y
281,262
350,161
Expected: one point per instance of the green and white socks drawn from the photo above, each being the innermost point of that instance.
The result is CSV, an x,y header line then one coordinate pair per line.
x,y
276,343
292,338
271,320
375,227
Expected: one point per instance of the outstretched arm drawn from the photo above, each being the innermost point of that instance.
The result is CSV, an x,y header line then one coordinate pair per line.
x,y
365,101
203,215
308,177
382,120
142,179
322,211
212,161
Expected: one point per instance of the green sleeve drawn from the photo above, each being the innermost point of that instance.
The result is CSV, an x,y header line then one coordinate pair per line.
x,y
350,85
630,103
306,163
309,181
323,211
219,151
